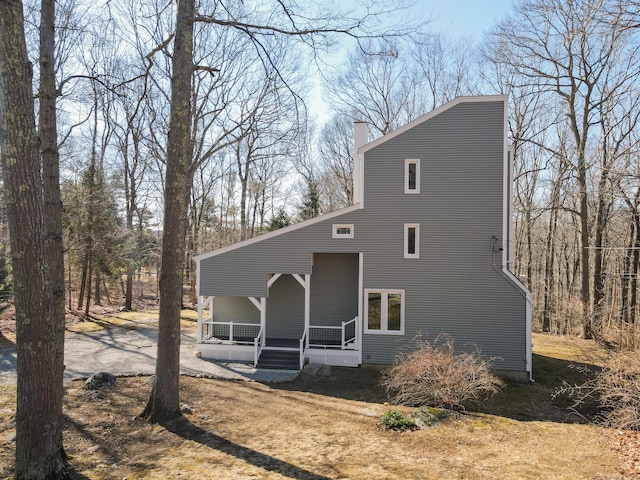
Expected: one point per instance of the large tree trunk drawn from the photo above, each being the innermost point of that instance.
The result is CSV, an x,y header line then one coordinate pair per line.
x,y
39,452
52,202
164,400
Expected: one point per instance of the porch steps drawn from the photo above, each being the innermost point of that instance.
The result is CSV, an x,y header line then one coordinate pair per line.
x,y
279,359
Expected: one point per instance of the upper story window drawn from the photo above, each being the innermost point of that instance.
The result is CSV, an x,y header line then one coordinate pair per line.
x,y
411,240
412,176
341,230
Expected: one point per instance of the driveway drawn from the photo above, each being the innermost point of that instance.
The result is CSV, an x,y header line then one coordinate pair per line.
x,y
132,351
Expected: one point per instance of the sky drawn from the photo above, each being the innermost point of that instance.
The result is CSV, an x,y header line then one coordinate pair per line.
x,y
457,18
463,18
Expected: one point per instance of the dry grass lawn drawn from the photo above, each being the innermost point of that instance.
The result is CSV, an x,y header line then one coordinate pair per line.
x,y
326,428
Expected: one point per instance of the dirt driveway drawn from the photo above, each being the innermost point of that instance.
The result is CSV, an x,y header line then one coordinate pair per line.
x,y
122,350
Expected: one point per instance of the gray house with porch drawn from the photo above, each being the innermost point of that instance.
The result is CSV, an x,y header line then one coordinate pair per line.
x,y
425,249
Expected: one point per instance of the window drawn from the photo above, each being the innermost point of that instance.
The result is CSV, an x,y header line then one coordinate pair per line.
x,y
411,240
342,231
384,312
412,176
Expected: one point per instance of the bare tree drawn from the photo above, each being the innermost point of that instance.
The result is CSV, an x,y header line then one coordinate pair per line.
x,y
336,157
261,26
445,66
582,55
39,452
376,87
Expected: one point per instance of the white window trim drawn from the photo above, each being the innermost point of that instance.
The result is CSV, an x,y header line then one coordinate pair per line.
x,y
337,226
408,162
384,310
407,226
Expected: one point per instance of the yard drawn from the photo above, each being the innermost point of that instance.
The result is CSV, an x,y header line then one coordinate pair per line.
x,y
326,428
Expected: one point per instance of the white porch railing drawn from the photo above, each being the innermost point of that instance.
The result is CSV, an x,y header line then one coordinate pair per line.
x,y
230,332
303,344
343,337
258,345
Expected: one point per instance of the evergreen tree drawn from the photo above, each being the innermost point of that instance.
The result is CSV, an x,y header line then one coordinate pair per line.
x,y
279,220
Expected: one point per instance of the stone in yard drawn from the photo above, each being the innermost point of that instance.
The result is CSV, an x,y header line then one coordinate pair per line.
x,y
100,380
316,370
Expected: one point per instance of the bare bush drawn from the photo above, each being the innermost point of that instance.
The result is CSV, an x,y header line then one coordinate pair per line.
x,y
619,387
433,374
624,336
616,388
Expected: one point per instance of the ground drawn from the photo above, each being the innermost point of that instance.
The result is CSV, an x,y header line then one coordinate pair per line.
x,y
326,428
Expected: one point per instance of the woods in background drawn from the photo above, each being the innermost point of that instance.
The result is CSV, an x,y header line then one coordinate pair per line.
x,y
262,160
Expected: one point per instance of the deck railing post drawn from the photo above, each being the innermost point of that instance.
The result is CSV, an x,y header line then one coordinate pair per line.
x,y
200,312
231,332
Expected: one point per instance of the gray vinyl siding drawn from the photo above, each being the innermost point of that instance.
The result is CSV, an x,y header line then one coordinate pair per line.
x,y
456,286
285,309
235,309
334,288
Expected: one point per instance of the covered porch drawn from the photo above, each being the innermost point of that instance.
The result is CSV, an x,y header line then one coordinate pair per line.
x,y
311,317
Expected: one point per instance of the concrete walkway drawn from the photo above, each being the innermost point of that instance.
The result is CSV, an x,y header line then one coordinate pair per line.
x,y
132,351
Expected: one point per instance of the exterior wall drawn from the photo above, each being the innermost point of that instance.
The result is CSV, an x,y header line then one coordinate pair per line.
x,y
285,309
334,288
456,286
235,309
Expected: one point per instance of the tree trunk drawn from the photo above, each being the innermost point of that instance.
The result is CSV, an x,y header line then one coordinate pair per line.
x,y
626,275
52,204
163,403
549,271
83,279
97,293
128,295
39,452
89,278
635,269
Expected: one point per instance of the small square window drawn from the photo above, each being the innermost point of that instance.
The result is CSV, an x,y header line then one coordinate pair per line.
x,y
342,231
412,176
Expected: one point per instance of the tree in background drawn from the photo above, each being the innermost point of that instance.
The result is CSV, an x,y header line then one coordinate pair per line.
x,y
582,59
279,220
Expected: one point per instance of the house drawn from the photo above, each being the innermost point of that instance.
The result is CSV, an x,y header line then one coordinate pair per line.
x,y
425,249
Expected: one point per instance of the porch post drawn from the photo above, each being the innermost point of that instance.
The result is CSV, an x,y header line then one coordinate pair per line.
x,y
307,305
361,307
262,306
200,311
306,284
204,302
263,318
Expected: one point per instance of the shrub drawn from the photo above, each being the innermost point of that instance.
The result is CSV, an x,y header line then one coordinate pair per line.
x,y
616,388
394,420
432,373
